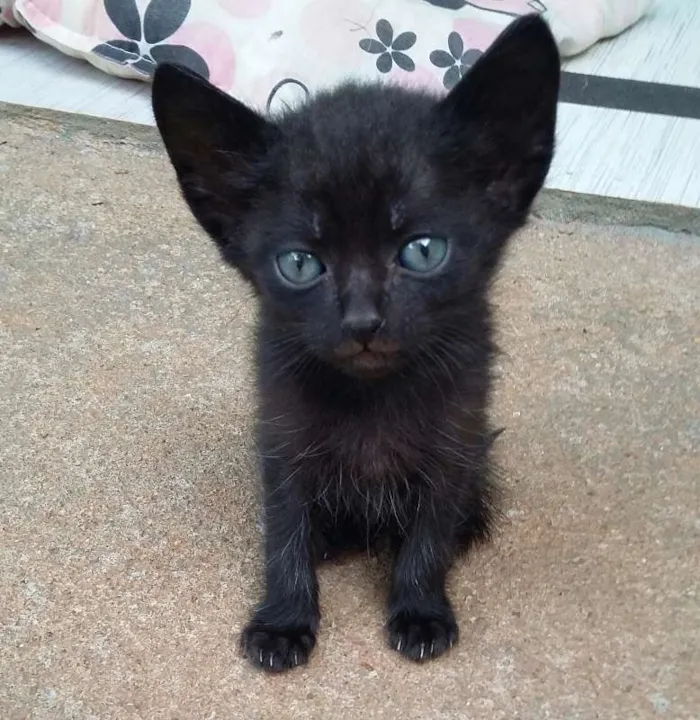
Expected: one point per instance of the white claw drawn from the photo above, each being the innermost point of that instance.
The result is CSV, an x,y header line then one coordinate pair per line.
x,y
432,648
422,650
271,657
399,645
261,657
296,657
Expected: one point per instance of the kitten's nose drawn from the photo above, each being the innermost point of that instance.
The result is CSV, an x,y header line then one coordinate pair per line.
x,y
361,323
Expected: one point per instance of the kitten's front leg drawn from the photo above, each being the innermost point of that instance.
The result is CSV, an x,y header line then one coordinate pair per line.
x,y
282,631
421,622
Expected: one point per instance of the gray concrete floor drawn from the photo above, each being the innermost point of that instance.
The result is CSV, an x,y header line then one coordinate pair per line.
x,y
129,553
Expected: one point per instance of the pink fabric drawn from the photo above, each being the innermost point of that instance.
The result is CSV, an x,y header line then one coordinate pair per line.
x,y
476,34
273,52
213,44
245,8
43,14
510,7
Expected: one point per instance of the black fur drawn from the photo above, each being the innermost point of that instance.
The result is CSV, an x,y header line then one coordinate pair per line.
x,y
373,380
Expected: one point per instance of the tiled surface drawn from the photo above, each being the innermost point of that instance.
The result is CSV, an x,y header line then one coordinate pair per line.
x,y
32,73
631,155
615,153
663,47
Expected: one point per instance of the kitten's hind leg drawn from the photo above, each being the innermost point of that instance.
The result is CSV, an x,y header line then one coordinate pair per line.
x,y
282,631
421,622
480,510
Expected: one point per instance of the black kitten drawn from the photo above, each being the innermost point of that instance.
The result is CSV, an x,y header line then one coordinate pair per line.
x,y
370,222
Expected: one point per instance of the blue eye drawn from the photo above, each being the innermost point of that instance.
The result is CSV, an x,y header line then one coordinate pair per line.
x,y
423,255
298,267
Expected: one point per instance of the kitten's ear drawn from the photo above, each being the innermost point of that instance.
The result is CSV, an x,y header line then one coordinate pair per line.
x,y
500,118
217,146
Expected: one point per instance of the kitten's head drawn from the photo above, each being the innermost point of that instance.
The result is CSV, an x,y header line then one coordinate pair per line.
x,y
371,219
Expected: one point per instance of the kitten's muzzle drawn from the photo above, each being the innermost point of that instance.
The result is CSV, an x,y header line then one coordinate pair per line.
x,y
373,359
361,322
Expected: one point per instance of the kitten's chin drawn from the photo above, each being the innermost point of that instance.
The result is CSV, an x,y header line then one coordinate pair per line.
x,y
369,365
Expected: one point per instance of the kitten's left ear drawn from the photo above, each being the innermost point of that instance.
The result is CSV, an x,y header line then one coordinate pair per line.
x,y
217,146
499,120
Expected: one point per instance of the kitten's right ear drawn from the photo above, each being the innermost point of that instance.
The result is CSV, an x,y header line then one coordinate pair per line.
x,y
501,117
217,146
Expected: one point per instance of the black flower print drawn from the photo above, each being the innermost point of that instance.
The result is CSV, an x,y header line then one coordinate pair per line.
x,y
390,48
457,61
144,47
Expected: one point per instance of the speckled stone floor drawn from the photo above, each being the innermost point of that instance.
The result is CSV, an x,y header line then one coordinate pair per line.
x,y
129,553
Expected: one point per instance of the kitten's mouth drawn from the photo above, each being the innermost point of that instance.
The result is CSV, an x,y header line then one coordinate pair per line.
x,y
374,360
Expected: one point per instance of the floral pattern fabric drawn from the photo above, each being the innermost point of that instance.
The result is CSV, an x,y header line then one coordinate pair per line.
x,y
272,53
145,39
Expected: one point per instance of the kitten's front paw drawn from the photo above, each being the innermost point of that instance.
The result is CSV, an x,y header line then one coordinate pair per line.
x,y
419,637
277,649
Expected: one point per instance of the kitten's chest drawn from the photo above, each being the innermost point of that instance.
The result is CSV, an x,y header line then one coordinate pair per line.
x,y
368,447
368,439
